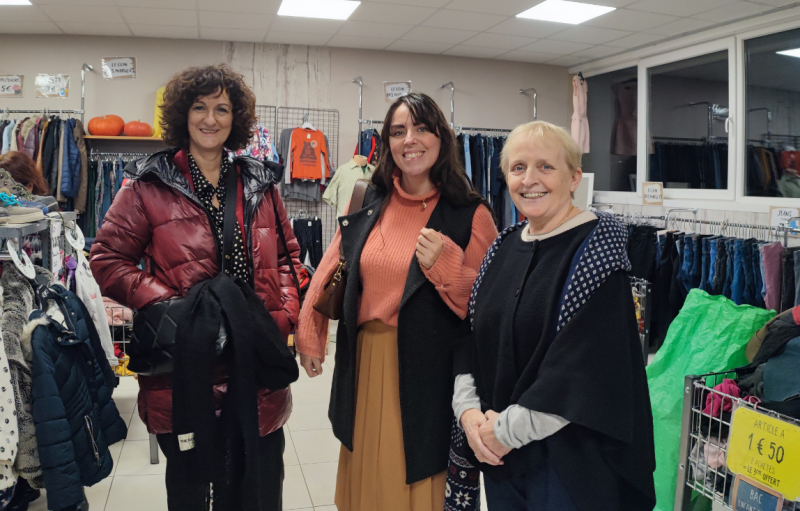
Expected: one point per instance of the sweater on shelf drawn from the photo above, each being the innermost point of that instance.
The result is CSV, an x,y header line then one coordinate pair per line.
x,y
385,261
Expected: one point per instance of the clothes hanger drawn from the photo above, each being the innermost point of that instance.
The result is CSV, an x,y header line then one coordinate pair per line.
x,y
307,124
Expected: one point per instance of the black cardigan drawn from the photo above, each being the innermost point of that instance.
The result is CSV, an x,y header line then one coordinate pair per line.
x,y
426,334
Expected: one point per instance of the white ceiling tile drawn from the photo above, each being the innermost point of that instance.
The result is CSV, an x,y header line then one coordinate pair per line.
x,y
567,61
308,25
306,39
680,27
501,41
71,2
591,35
168,32
478,52
367,43
235,21
417,47
777,3
733,11
632,41
626,19
243,6
597,52
526,56
463,20
174,17
83,14
383,30
22,13
424,3
438,35
505,8
112,29
528,28
158,4
613,3
232,34
677,7
28,27
382,13
555,47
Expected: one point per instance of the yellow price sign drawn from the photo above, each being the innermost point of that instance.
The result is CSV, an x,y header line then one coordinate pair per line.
x,y
766,450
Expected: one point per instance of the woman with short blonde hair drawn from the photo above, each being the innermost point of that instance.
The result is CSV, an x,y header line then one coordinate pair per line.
x,y
552,392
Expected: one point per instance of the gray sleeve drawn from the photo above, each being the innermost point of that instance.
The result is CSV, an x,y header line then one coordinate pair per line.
x,y
465,395
518,426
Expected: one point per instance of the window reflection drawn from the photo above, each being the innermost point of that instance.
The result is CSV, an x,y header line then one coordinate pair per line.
x,y
688,143
772,101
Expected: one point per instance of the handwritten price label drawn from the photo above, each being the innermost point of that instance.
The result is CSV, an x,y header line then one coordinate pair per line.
x,y
766,450
11,86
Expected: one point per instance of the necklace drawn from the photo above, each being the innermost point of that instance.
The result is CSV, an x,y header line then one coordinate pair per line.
x,y
571,207
423,204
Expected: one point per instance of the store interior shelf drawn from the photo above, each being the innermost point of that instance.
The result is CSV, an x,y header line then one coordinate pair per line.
x,y
132,139
20,230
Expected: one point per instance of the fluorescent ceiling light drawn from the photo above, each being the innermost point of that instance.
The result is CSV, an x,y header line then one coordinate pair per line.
x,y
790,53
562,11
15,2
326,9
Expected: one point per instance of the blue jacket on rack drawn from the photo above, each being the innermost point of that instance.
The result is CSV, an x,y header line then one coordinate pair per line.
x,y
71,163
76,419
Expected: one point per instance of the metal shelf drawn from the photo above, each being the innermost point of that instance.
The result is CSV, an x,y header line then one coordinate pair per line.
x,y
17,231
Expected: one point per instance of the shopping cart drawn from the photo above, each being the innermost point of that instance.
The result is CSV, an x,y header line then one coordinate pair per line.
x,y
704,443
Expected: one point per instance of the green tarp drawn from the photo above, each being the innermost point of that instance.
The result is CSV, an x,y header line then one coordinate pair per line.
x,y
709,335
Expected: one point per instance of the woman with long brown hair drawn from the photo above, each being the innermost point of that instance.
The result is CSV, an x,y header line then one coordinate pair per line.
x,y
413,252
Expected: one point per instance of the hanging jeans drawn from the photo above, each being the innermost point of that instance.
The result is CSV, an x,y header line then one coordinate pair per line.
x,y
797,277
720,268
467,160
728,288
688,260
749,291
677,291
737,287
712,263
788,289
758,275
706,262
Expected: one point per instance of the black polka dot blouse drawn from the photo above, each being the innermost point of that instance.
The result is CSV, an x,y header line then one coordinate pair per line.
x,y
205,191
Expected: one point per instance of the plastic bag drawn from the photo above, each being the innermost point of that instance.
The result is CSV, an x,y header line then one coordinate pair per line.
x,y
709,335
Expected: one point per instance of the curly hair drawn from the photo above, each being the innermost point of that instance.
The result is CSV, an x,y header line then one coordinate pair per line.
x,y
188,85
23,170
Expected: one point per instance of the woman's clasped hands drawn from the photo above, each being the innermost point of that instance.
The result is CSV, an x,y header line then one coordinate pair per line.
x,y
479,429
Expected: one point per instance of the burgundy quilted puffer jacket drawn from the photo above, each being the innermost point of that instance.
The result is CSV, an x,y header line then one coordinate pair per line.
x,y
156,217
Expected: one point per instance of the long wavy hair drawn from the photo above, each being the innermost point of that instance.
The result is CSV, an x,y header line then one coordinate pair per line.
x,y
447,174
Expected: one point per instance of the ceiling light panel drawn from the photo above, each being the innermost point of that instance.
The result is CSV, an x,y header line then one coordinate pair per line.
x,y
790,53
15,2
326,9
562,11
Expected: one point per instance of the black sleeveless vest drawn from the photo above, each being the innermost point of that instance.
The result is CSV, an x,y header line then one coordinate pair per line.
x,y
428,330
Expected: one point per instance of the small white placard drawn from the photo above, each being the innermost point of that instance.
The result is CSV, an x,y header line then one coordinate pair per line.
x,y
119,67
394,90
11,86
74,236
653,194
21,259
56,254
779,217
52,86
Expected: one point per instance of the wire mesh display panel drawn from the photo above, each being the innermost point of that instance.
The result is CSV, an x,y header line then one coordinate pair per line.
x,y
326,121
704,442
267,116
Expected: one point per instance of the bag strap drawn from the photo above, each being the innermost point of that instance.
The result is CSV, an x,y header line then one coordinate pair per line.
x,y
356,204
279,227
229,223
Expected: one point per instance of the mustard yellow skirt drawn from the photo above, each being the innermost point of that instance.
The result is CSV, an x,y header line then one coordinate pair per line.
x,y
373,476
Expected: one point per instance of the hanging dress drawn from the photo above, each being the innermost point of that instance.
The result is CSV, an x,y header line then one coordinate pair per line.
x,y
580,123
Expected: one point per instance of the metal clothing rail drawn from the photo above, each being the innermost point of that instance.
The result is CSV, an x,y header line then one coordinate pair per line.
x,y
496,130
43,112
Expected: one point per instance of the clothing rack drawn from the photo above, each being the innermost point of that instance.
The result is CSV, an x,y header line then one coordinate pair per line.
x,y
44,112
713,139
492,130
98,155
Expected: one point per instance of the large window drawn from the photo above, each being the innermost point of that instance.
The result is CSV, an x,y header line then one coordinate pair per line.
x,y
688,112
612,107
772,100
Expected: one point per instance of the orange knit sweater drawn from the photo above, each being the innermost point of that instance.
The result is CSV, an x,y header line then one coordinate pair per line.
x,y
384,267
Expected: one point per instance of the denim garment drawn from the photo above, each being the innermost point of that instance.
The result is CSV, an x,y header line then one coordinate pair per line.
x,y
688,259
720,267
737,288
728,288
705,264
496,173
488,166
758,276
480,172
536,490
797,278
788,287
712,263
107,189
763,273
467,159
749,290
697,260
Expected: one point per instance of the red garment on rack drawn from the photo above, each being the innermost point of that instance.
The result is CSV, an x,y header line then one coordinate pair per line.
x,y
716,403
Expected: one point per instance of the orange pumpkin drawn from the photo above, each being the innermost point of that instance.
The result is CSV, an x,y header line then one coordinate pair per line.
x,y
106,126
138,129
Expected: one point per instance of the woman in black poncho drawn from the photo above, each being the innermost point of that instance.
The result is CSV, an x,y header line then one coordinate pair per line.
x,y
552,392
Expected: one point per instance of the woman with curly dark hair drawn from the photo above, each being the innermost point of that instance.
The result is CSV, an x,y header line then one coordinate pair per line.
x,y
187,212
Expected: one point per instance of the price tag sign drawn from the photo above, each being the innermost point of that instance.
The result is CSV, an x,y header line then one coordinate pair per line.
x,y
394,90
11,86
21,259
779,217
56,254
653,194
119,67
52,86
748,495
766,450
74,236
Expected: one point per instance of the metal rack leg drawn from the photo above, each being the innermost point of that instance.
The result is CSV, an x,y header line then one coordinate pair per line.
x,y
153,450
683,494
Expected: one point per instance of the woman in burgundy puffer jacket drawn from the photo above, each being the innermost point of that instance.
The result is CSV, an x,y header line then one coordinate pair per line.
x,y
169,215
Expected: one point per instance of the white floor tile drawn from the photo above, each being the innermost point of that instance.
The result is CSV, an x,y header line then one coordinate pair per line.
x,y
125,404
317,446
289,454
306,417
136,429
115,451
311,392
137,492
135,460
321,482
295,493
97,495
326,508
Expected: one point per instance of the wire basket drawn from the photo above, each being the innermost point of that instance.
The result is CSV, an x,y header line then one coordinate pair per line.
x,y
704,443
120,324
